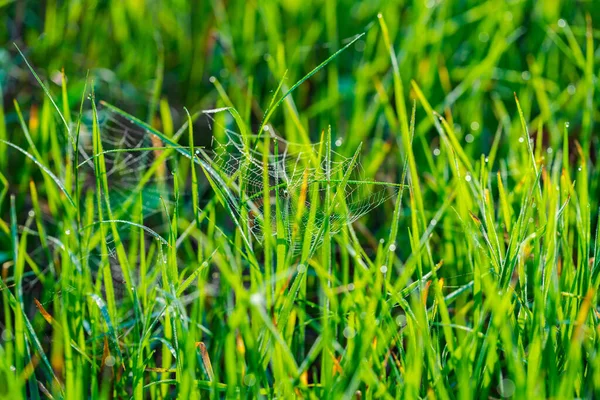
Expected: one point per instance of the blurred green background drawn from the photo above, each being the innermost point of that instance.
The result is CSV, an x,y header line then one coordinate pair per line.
x,y
468,55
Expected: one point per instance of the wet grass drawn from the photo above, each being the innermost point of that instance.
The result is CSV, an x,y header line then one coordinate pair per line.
x,y
435,235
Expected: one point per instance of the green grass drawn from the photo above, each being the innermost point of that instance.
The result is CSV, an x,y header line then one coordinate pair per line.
x,y
428,227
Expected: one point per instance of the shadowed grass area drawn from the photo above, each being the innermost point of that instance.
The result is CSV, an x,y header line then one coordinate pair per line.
x,y
279,199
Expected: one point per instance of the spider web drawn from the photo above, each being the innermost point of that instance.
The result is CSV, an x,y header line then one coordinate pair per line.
x,y
299,177
140,182
296,176
137,162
